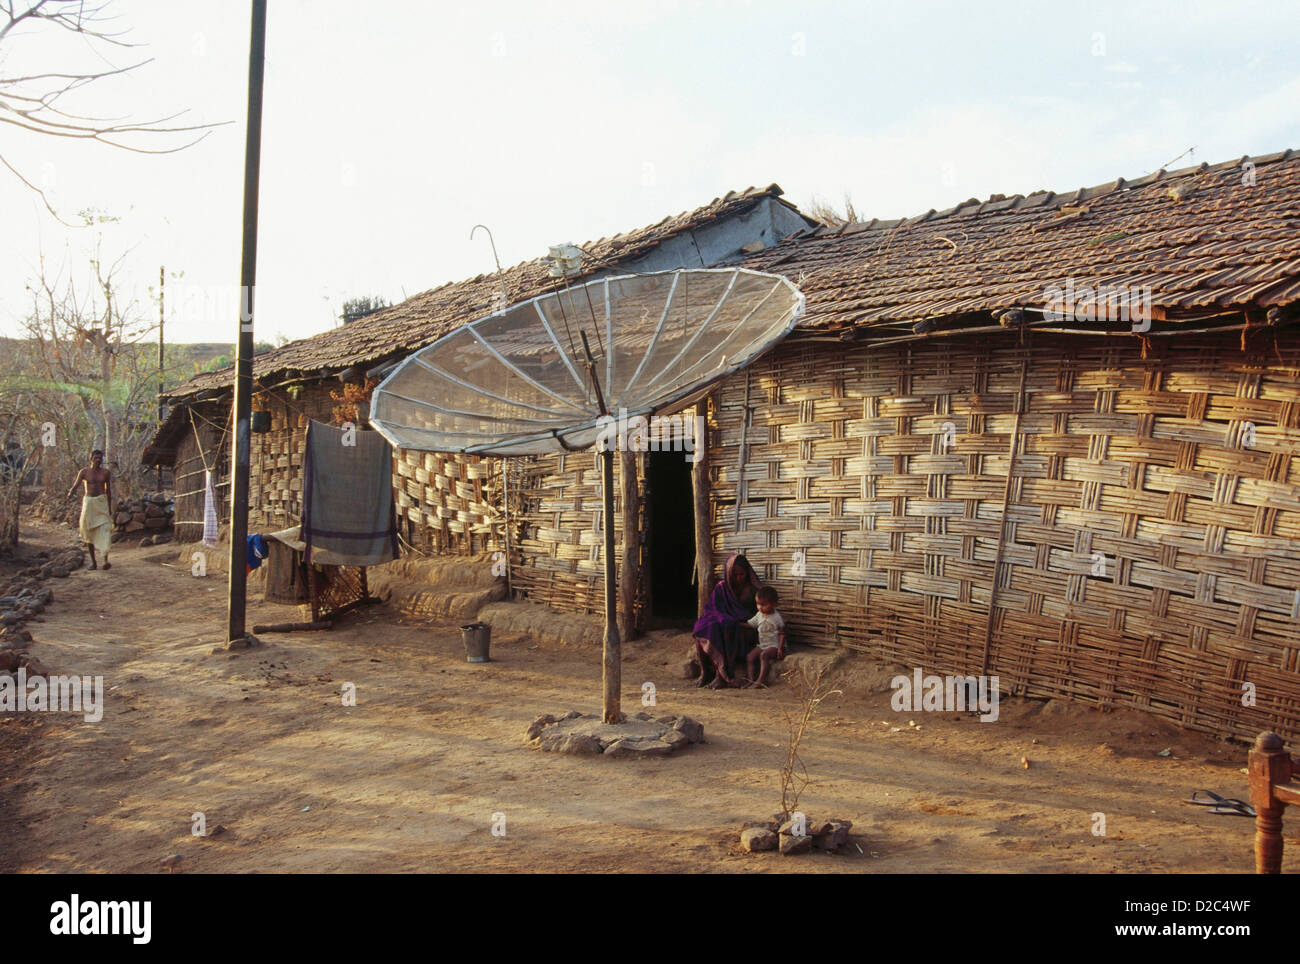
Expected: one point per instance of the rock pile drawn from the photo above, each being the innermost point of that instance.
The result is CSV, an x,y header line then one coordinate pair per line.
x,y
23,600
149,512
639,736
779,834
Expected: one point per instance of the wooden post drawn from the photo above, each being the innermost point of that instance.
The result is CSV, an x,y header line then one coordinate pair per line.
x,y
703,522
613,652
1269,765
627,583
1012,450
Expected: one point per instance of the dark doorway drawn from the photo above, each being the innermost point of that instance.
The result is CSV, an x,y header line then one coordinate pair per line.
x,y
670,526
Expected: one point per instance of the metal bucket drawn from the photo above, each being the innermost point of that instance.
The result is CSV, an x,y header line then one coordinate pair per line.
x,y
477,637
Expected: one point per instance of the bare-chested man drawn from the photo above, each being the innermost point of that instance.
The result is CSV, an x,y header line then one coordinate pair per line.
x,y
96,511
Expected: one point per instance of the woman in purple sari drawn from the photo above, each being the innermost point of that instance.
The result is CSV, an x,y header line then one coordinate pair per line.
x,y
723,636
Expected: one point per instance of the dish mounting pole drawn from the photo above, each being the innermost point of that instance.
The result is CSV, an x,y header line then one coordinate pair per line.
x,y
612,672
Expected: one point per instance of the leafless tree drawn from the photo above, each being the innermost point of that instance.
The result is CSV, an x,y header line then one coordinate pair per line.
x,y
810,690
81,369
38,102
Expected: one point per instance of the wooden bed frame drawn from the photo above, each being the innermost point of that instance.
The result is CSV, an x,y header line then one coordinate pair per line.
x,y
1273,786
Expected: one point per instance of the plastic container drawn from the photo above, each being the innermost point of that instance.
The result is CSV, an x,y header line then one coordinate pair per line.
x,y
477,639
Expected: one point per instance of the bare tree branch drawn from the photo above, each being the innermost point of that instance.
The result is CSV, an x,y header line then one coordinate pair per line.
x,y
27,102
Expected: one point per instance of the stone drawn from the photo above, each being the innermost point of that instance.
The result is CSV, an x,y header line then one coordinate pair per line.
x,y
638,748
10,618
795,845
643,715
676,739
134,526
579,745
8,661
692,730
34,666
535,728
571,715
758,839
832,834
690,669
574,744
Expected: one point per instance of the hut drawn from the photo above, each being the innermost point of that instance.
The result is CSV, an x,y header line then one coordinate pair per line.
x,y
1048,437
1051,437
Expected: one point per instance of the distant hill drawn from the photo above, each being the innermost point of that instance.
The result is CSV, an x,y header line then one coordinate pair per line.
x,y
181,360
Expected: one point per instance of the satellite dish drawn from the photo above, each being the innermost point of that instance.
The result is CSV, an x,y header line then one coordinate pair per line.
x,y
518,382
547,375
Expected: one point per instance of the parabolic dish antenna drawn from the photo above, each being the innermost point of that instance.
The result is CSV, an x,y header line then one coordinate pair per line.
x,y
548,374
517,382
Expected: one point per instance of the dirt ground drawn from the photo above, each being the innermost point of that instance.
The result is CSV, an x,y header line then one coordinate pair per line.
x,y
413,776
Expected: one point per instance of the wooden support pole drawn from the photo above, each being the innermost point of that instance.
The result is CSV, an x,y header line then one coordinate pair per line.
x,y
1012,451
292,627
703,522
613,652
1269,766
627,582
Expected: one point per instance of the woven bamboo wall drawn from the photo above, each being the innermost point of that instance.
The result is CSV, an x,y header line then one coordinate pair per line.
x,y
204,440
275,457
559,547
1151,554
449,503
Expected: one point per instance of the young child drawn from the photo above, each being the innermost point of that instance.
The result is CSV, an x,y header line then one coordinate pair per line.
x,y
771,635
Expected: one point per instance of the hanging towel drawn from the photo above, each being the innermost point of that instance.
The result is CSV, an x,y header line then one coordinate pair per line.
x,y
347,497
209,510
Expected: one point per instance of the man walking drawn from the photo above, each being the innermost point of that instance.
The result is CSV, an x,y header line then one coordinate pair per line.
x,y
96,512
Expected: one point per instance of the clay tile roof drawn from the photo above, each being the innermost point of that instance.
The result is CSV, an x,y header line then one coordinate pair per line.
x,y
1205,239
423,318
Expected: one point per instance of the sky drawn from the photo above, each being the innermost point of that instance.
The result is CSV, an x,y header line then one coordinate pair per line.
x,y
390,130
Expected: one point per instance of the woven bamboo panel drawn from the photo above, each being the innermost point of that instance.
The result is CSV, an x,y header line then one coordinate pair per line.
x,y
1149,555
560,542
276,457
449,503
338,586
202,439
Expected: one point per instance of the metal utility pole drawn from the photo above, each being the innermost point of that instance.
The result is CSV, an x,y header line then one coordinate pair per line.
x,y
162,281
238,593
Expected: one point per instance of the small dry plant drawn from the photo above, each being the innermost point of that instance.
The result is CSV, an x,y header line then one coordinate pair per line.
x,y
810,690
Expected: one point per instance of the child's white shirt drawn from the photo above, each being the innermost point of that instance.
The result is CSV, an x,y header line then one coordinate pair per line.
x,y
769,628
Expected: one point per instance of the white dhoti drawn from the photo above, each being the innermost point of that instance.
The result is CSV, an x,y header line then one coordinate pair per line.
x,y
96,523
